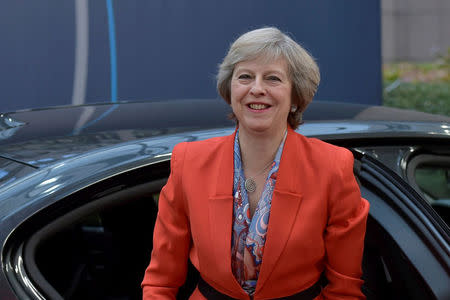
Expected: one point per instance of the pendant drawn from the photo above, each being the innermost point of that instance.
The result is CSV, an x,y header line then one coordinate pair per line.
x,y
250,185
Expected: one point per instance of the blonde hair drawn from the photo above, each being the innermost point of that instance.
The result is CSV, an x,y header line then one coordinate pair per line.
x,y
270,43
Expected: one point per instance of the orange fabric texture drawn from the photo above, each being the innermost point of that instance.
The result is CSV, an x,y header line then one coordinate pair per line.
x,y
317,222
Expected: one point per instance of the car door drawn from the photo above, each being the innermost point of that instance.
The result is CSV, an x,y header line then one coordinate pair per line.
x,y
407,243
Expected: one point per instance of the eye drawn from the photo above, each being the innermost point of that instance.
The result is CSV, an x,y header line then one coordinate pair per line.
x,y
273,78
244,76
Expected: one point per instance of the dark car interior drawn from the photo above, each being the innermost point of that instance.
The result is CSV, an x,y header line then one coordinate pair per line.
x,y
98,243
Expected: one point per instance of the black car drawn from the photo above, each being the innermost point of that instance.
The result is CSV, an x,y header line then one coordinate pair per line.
x,y
79,190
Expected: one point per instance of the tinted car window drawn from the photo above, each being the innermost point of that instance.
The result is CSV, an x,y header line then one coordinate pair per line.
x,y
429,174
434,182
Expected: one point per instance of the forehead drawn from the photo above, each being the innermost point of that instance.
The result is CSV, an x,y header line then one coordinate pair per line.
x,y
263,64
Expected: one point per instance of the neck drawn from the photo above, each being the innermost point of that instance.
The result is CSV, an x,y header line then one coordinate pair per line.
x,y
257,150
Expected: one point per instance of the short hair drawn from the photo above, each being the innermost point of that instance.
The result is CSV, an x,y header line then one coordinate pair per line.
x,y
270,43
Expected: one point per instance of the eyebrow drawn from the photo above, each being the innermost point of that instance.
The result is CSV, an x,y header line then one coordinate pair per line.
x,y
268,72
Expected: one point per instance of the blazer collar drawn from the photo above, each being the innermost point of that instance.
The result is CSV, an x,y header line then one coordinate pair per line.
x,y
285,205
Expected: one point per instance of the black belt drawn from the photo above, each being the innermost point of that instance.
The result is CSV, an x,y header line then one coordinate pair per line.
x,y
211,293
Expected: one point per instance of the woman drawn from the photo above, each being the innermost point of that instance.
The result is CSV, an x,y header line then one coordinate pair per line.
x,y
264,212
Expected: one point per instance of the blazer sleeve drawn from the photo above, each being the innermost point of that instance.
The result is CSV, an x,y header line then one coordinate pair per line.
x,y
344,235
171,237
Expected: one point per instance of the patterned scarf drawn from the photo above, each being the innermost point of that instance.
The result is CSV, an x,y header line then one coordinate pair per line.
x,y
249,235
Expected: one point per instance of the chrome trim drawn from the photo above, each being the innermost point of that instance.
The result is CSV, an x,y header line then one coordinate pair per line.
x,y
23,277
17,276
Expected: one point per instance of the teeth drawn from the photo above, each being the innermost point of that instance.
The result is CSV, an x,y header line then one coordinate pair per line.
x,y
258,106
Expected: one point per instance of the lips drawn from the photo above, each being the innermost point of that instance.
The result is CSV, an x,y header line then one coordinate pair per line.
x,y
258,106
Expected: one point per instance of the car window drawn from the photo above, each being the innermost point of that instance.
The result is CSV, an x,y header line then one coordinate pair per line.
x,y
429,174
434,182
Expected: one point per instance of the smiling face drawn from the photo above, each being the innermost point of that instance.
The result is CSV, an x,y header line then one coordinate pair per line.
x,y
261,96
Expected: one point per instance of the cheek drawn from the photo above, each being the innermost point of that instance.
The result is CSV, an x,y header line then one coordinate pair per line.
x,y
233,101
286,103
237,92
285,96
232,91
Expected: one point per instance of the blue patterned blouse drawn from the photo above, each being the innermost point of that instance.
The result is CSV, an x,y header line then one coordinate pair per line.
x,y
249,235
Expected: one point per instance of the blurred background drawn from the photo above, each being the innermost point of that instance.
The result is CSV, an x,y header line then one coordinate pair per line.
x,y
378,52
416,54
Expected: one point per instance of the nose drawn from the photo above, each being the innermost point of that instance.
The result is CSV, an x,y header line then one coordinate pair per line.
x,y
258,88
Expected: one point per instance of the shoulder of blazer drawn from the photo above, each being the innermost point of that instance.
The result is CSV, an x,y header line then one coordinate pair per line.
x,y
316,150
200,152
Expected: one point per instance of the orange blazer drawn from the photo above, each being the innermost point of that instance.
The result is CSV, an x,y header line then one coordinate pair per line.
x,y
317,222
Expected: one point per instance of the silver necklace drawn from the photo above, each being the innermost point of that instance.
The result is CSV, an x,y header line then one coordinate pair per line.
x,y
250,184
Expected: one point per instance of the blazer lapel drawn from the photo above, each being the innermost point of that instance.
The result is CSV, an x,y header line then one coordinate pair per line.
x,y
220,207
286,201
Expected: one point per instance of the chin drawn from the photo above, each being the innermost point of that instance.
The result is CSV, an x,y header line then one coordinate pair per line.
x,y
268,125
260,128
